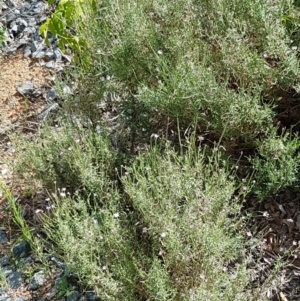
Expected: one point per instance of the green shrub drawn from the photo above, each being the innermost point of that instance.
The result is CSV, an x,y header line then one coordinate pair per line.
x,y
171,238
67,156
185,203
208,63
276,165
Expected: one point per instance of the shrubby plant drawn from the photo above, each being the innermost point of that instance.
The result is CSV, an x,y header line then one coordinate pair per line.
x,y
68,156
168,238
153,223
277,164
209,62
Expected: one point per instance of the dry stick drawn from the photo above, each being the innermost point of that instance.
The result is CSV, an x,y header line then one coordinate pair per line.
x,y
282,297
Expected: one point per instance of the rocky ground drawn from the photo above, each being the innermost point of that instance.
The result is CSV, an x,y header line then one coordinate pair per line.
x,y
27,94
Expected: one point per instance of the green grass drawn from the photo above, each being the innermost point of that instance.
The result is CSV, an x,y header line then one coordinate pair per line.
x,y
2,34
173,124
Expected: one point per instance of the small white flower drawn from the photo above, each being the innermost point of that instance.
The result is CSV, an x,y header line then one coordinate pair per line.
x,y
116,215
49,207
294,48
104,268
155,136
249,234
38,210
160,52
163,235
4,171
266,214
63,194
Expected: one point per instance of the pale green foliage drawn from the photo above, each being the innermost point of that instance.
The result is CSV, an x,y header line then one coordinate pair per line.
x,y
68,156
163,225
3,280
208,63
2,35
185,204
170,239
277,164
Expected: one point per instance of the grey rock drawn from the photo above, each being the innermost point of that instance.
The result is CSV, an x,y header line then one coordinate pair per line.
x,y
18,25
27,51
7,270
10,3
31,22
26,88
22,24
49,55
50,64
37,280
4,261
58,54
11,51
15,280
57,263
14,27
74,296
22,42
10,17
42,19
38,7
39,54
19,299
22,249
3,237
91,296
39,91
34,46
52,107
3,296
52,95
29,31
